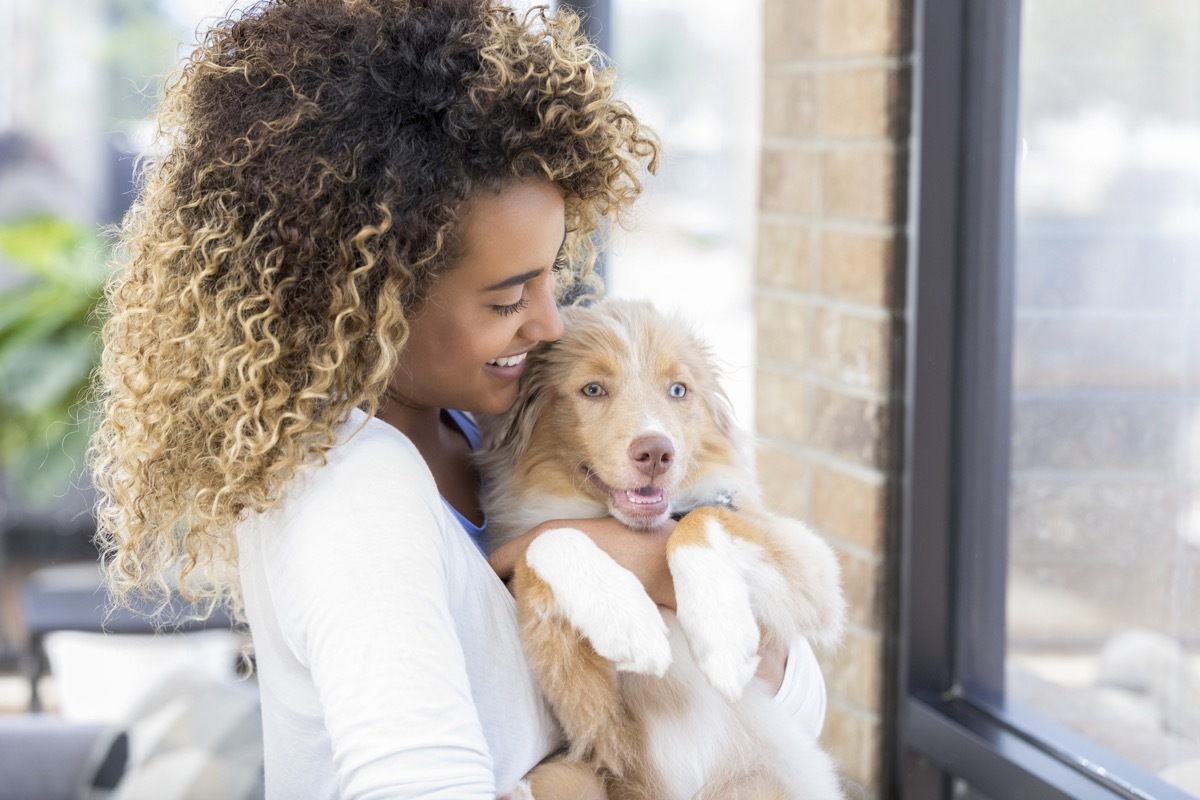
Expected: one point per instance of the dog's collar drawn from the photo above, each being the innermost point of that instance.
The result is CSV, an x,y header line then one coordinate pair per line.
x,y
719,500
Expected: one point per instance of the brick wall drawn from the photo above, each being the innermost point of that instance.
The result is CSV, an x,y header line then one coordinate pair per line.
x,y
829,290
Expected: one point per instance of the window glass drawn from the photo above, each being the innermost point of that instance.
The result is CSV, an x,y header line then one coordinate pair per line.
x,y
1104,564
691,70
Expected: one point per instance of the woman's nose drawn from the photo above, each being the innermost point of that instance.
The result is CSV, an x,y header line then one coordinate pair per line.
x,y
545,323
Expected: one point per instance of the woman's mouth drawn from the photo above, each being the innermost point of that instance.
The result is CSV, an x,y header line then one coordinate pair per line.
x,y
507,367
508,361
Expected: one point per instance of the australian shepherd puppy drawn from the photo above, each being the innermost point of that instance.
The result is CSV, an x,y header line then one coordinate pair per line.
x,y
624,416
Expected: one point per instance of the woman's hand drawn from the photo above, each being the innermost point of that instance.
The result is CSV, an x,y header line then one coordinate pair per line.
x,y
644,553
772,664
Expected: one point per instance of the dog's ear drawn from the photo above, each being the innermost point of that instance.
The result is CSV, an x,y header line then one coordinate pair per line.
x,y
720,408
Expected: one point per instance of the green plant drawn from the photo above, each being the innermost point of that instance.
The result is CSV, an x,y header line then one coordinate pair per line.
x,y
49,345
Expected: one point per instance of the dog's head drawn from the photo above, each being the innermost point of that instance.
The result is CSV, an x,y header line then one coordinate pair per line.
x,y
626,409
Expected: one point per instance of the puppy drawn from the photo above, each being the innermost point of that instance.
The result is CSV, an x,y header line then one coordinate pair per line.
x,y
624,416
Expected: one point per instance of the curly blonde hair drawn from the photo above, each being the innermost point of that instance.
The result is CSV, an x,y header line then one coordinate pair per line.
x,y
317,158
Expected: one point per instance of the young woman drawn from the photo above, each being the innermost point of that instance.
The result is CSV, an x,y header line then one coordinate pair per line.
x,y
359,224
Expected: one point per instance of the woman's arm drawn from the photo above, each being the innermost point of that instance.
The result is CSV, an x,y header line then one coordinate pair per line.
x,y
644,553
362,588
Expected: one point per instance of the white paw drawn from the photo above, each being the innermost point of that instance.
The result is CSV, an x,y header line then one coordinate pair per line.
x,y
604,601
715,612
519,792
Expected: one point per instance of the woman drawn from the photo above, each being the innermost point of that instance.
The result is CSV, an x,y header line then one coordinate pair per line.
x,y
360,222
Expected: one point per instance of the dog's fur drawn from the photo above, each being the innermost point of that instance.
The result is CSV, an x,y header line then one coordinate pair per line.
x,y
655,705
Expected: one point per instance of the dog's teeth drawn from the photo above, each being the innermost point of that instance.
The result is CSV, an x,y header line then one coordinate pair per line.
x,y
641,499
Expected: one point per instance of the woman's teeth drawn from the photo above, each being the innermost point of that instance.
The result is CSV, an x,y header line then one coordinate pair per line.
x,y
508,361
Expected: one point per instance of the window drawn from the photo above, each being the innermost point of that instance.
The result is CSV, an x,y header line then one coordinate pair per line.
x,y
1049,608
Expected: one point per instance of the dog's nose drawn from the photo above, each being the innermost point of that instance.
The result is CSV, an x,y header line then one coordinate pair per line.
x,y
652,454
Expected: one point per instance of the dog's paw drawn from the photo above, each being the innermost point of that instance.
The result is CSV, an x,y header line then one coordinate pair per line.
x,y
604,601
715,612
521,791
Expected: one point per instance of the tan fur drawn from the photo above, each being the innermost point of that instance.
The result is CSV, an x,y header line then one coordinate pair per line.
x,y
570,780
580,685
543,460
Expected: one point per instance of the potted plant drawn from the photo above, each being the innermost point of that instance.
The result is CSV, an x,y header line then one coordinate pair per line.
x,y
49,346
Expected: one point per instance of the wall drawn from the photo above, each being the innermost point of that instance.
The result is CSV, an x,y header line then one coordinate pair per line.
x,y
829,295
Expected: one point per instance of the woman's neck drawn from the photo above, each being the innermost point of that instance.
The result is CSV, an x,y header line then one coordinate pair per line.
x,y
445,450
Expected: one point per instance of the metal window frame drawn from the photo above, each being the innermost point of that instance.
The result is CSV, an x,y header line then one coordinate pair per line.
x,y
953,723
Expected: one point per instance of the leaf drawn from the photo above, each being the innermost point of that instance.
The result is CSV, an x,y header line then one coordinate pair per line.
x,y
46,371
54,249
48,348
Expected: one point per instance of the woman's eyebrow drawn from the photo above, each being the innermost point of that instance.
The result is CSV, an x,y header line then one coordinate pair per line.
x,y
515,280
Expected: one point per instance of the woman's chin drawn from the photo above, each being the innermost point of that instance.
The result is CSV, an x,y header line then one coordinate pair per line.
x,y
494,403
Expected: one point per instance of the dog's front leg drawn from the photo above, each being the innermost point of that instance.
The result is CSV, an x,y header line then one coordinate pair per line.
x,y
583,617
739,575
713,602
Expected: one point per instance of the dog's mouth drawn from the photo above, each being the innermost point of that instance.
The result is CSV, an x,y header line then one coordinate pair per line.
x,y
642,506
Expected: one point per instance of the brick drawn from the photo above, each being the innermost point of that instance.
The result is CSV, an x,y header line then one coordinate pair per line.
x,y
862,582
1050,602
782,324
1093,269
861,28
849,508
852,349
785,481
1080,432
1100,351
862,268
790,29
789,181
851,428
1192,332
860,184
859,103
789,104
854,671
781,406
784,256
854,739
1072,517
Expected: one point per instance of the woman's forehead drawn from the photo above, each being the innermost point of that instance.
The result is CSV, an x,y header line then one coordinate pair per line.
x,y
512,231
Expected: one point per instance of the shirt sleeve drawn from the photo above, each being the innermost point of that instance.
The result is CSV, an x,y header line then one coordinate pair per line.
x,y
365,606
802,693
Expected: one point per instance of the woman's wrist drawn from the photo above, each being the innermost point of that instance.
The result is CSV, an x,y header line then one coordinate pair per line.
x,y
772,665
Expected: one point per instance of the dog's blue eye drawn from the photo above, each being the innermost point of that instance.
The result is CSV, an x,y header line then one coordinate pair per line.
x,y
593,390
678,390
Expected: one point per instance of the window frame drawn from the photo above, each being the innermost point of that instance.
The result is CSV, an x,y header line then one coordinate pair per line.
x,y
953,723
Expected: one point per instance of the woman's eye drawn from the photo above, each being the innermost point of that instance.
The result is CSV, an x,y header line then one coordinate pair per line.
x,y
513,308
678,390
594,390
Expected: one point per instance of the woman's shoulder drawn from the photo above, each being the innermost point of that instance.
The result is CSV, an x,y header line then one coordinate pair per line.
x,y
370,463
369,449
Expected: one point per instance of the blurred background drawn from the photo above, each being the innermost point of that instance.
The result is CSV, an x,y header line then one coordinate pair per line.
x,y
79,84
1104,508
1104,491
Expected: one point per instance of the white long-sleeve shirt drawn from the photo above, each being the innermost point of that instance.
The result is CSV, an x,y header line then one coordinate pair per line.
x,y
388,651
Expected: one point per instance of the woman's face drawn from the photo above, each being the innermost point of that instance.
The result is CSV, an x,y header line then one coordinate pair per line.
x,y
468,340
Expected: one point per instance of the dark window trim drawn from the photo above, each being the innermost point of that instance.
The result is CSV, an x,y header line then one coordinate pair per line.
x,y
952,720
